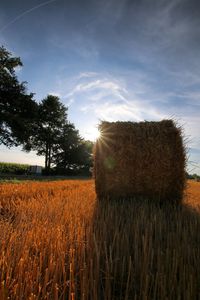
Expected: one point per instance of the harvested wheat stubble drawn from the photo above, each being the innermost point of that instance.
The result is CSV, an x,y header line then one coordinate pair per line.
x,y
145,159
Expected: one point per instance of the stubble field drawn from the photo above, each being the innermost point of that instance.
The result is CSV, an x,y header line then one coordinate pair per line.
x,y
58,242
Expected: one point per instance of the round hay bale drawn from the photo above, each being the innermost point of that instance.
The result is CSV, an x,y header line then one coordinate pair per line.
x,y
145,159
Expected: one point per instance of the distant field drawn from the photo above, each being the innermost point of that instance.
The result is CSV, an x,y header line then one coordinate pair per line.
x,y
58,242
27,178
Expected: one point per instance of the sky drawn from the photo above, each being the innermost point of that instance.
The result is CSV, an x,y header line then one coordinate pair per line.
x,y
129,60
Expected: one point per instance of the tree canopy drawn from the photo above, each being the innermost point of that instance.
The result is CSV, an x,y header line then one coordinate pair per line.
x,y
74,153
52,116
17,107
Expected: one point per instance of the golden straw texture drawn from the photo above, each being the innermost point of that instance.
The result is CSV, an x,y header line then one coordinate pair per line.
x,y
145,159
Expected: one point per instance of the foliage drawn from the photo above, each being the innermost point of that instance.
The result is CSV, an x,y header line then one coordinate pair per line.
x,y
17,108
57,242
13,168
52,116
193,176
73,154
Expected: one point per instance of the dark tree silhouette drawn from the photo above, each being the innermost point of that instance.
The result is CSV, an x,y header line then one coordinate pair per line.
x,y
52,116
74,153
17,108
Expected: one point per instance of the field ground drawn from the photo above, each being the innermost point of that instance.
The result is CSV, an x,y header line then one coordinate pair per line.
x,y
58,242
6,178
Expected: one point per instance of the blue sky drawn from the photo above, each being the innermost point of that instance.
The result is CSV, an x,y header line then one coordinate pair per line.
x,y
111,60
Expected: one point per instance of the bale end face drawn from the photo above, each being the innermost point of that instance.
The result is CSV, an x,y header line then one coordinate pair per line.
x,y
145,159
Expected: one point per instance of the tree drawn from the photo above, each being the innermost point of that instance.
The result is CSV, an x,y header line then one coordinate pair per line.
x,y
73,153
17,108
52,116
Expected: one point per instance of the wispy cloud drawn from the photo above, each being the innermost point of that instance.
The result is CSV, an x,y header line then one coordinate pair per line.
x,y
87,75
101,85
57,94
108,98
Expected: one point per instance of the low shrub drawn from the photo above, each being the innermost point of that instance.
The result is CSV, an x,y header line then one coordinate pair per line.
x,y
13,168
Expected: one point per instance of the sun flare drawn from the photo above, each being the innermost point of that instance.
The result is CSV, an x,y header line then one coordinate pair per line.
x,y
93,134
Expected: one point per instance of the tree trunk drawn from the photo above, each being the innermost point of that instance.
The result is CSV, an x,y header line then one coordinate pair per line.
x,y
49,160
46,158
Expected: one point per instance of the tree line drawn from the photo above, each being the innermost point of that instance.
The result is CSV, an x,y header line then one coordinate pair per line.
x,y
40,126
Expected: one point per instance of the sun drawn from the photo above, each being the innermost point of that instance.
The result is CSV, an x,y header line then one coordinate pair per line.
x,y
93,134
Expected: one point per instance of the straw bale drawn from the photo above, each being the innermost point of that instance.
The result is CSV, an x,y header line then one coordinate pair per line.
x,y
145,159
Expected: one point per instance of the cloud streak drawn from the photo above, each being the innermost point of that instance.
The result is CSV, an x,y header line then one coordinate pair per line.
x,y
25,13
108,98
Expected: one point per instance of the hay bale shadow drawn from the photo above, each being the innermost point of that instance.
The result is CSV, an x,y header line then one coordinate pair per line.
x,y
146,250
